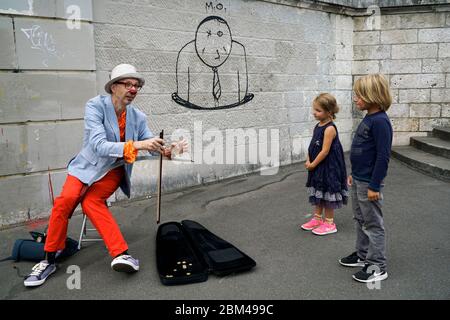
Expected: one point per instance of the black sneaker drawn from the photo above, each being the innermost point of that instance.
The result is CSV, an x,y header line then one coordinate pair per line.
x,y
352,261
370,273
39,274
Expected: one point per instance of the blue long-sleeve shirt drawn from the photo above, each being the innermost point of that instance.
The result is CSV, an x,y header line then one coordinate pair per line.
x,y
371,149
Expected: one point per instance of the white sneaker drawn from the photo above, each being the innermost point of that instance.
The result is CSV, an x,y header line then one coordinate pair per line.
x,y
125,263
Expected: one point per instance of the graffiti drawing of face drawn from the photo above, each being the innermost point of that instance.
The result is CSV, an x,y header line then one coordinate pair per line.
x,y
213,41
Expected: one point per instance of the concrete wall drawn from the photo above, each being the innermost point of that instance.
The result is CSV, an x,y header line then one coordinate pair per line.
x,y
413,49
292,55
58,54
47,66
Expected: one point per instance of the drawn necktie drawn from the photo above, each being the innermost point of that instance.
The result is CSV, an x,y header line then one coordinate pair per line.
x,y
217,90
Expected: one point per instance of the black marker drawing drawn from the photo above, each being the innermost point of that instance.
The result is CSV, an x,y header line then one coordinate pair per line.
x,y
199,85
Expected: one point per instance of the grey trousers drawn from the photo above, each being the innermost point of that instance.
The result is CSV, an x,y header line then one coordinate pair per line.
x,y
370,233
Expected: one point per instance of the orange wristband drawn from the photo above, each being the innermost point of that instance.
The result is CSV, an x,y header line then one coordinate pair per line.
x,y
129,152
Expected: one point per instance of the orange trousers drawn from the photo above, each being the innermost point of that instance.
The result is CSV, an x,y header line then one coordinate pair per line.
x,y
94,206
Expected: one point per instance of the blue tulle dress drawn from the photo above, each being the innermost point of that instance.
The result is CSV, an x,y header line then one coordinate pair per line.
x,y
327,183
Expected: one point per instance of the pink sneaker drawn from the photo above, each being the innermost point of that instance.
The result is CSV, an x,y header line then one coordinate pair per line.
x,y
325,228
311,224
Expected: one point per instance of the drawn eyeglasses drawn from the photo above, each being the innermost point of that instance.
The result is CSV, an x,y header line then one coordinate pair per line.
x,y
129,85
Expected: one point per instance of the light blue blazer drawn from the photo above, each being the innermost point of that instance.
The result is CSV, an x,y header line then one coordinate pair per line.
x,y
101,141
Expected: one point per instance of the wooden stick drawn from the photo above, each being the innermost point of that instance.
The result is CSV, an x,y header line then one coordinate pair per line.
x,y
158,200
50,188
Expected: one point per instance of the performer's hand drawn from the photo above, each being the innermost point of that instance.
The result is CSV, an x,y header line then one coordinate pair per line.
x,y
153,144
373,195
181,146
307,163
350,180
176,148
167,152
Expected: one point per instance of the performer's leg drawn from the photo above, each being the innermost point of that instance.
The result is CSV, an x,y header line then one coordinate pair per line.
x,y
57,231
94,206
59,219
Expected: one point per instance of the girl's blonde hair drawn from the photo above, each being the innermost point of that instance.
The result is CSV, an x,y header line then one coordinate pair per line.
x,y
373,89
328,103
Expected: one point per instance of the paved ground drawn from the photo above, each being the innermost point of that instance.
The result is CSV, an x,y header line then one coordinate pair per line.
x,y
260,215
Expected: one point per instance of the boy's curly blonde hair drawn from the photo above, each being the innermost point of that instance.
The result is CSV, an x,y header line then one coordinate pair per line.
x,y
373,89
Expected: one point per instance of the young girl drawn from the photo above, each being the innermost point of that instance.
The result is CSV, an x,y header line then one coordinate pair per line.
x,y
327,184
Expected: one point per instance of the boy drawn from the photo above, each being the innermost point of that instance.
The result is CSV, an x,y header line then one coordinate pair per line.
x,y
369,156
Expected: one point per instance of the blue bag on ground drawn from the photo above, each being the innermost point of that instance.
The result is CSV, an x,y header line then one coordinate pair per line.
x,y
33,249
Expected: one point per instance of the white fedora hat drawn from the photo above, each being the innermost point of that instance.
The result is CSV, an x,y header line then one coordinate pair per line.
x,y
123,71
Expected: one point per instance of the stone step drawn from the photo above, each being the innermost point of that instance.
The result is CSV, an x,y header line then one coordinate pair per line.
x,y
433,165
442,133
432,145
